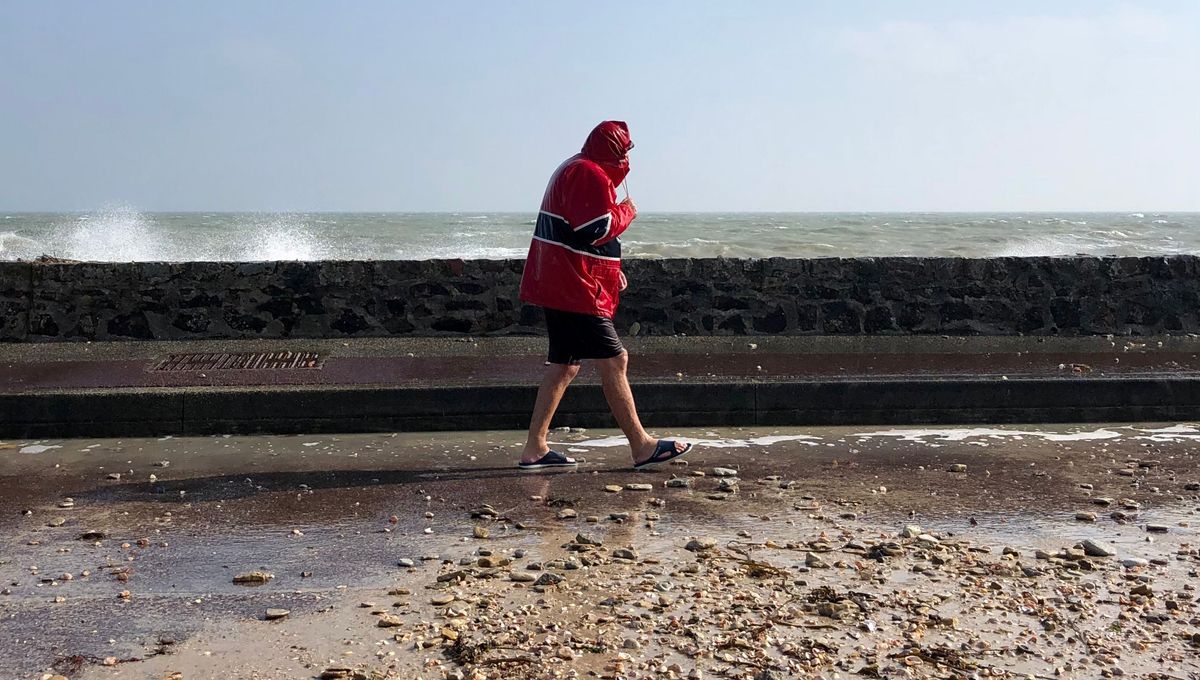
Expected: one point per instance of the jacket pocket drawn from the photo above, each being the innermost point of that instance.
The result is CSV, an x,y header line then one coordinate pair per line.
x,y
610,281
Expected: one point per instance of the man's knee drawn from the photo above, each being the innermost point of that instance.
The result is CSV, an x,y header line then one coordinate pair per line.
x,y
564,371
616,364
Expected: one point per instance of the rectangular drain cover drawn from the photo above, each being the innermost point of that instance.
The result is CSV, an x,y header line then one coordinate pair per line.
x,y
240,361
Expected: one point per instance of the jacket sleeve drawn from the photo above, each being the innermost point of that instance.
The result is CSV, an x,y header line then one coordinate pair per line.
x,y
594,215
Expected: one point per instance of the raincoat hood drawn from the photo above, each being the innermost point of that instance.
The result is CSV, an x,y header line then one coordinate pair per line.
x,y
608,146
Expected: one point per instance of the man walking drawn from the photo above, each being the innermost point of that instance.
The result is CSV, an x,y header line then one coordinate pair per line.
x,y
574,272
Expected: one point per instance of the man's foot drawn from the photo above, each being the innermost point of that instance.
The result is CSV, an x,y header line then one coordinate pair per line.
x,y
552,459
533,451
659,451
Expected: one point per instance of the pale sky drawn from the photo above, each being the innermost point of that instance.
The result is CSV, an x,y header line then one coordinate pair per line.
x,y
734,106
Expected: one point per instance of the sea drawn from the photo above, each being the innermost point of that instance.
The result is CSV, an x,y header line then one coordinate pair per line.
x,y
123,234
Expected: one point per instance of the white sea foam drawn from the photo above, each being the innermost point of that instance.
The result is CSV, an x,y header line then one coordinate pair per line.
x,y
115,234
1174,433
931,436
13,246
961,434
727,443
38,448
280,237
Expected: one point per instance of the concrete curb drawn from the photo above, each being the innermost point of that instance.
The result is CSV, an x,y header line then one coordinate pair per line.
x,y
291,410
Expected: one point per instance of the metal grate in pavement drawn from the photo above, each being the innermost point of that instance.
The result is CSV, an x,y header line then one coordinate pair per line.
x,y
239,361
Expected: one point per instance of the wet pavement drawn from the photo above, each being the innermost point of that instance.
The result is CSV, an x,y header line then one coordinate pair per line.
x,y
423,362
118,556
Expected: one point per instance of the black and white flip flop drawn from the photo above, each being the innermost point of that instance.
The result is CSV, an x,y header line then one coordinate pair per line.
x,y
663,451
552,459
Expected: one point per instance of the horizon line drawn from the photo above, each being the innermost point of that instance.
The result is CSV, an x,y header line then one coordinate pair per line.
x,y
9,213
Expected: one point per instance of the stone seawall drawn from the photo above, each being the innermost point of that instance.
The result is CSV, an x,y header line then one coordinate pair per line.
x,y
948,296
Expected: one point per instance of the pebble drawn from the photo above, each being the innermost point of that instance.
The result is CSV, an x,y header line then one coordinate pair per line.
x,y
624,554
442,599
613,488
390,621
1142,589
273,614
567,513
957,467
700,544
911,531
679,483
480,532
724,472
587,539
1131,562
57,522
406,563
548,579
812,561
253,577
639,487
522,577
1085,516
1157,528
1094,548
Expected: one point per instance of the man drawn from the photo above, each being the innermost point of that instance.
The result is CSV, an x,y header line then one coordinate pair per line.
x,y
574,272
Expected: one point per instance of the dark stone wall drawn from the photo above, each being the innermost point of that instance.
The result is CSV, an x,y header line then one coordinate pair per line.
x,y
948,296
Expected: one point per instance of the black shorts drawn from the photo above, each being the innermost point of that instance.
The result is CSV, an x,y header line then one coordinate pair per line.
x,y
580,336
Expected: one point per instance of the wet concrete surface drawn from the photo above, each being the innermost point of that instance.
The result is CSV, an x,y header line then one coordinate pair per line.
x,y
332,516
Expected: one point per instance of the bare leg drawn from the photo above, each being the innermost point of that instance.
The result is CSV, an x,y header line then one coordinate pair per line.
x,y
620,400
550,393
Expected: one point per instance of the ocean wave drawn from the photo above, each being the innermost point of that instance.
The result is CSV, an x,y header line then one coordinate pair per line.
x,y
126,234
1053,246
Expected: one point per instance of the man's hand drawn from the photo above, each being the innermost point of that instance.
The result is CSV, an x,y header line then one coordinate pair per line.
x,y
629,202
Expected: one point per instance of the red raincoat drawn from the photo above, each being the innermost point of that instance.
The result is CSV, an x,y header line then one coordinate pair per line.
x,y
574,262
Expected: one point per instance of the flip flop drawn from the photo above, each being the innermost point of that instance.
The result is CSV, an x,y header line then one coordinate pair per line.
x,y
663,451
552,459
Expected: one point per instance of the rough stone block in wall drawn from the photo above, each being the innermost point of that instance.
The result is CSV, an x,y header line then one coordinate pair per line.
x,y
84,301
16,281
830,296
